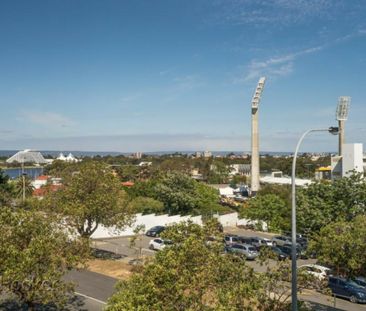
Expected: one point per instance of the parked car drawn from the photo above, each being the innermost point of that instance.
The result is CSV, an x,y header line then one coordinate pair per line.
x,y
360,280
155,231
246,250
279,253
320,272
347,289
288,250
280,240
244,240
159,244
230,239
300,238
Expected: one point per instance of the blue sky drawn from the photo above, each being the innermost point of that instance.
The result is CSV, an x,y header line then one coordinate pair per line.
x,y
178,75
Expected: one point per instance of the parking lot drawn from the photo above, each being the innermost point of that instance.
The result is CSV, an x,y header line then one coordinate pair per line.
x,y
122,246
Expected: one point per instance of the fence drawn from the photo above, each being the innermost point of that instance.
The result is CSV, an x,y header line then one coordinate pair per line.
x,y
151,220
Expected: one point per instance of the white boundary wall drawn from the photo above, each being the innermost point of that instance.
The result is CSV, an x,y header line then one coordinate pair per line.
x,y
151,220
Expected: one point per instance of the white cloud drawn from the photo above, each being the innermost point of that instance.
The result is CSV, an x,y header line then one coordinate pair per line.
x,y
260,13
284,65
47,119
187,82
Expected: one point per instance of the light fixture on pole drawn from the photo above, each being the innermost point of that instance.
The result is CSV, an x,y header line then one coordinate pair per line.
x,y
334,131
255,137
342,116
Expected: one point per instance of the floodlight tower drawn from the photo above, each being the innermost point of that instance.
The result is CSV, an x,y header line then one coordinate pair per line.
x,y
255,136
341,116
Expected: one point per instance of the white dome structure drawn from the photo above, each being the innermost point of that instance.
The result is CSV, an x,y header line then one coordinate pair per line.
x,y
27,156
70,158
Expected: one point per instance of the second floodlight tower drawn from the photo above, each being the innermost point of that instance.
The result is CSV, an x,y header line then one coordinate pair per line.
x,y
342,115
255,137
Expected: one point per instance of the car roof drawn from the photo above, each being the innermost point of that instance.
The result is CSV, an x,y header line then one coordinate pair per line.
x,y
157,227
247,245
315,266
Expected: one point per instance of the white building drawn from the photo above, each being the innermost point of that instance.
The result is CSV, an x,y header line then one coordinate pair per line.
x,y
207,154
352,159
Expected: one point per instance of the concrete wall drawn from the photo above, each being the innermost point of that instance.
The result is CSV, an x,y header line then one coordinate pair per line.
x,y
151,220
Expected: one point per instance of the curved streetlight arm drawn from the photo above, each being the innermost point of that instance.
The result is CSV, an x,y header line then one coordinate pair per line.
x,y
331,130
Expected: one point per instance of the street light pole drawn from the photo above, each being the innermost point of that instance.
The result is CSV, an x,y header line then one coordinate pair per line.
x,y
334,131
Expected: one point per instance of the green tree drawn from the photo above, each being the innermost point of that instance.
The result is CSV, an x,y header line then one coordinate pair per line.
x,y
219,173
90,197
6,189
19,184
146,205
269,208
179,193
183,195
194,274
342,245
322,203
35,252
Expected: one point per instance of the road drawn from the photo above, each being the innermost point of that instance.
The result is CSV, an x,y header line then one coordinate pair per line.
x,y
96,288
93,289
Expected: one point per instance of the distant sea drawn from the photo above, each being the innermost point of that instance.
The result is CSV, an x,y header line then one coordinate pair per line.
x,y
54,154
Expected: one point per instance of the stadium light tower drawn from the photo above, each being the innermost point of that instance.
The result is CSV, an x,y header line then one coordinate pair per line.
x,y
342,116
255,136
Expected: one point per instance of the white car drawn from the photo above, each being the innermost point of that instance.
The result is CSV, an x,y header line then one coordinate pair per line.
x,y
159,244
320,272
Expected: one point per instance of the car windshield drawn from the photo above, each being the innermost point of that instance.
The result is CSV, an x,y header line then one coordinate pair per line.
x,y
252,249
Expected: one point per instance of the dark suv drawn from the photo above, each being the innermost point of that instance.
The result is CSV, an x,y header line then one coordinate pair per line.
x,y
155,231
347,289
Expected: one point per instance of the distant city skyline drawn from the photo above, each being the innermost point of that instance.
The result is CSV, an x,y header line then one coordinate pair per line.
x,y
147,76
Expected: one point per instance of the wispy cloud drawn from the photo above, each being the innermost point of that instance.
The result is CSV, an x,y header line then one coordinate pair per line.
x,y
284,65
47,119
275,12
274,66
187,82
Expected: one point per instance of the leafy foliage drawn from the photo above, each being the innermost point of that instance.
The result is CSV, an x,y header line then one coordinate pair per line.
x,y
18,187
194,274
269,208
146,205
342,245
6,189
35,253
89,197
323,203
179,193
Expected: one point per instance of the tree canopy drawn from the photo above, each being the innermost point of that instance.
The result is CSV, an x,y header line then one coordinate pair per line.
x,y
322,203
270,208
194,274
35,252
179,193
342,245
91,196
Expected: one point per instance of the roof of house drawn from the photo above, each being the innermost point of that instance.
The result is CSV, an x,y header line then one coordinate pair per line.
x,y
128,183
42,177
40,192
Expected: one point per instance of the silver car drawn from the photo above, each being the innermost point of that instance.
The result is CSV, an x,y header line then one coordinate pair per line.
x,y
246,250
281,240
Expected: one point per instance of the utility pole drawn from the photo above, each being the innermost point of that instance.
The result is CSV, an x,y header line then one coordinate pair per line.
x,y
255,137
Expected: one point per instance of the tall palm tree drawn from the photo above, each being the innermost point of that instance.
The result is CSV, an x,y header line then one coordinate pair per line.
x,y
18,187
